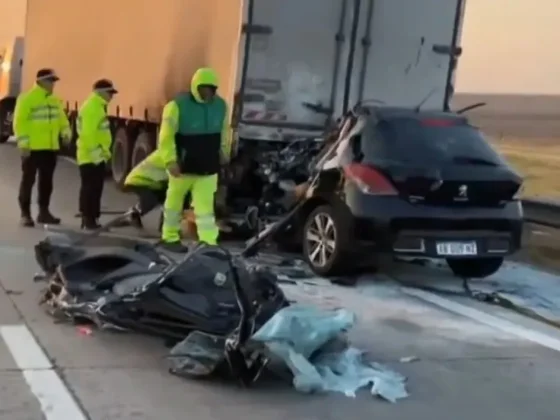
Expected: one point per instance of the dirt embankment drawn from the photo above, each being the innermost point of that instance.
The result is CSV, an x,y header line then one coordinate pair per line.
x,y
541,248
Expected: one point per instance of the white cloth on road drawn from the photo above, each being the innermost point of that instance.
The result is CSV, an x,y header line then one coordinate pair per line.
x,y
304,338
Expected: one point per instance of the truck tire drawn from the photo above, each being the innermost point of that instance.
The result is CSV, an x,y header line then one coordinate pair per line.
x,y
143,146
121,157
6,116
70,149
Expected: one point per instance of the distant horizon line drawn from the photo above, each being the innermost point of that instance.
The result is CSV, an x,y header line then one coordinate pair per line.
x,y
505,94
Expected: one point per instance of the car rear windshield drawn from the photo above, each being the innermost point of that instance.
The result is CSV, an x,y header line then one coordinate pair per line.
x,y
411,140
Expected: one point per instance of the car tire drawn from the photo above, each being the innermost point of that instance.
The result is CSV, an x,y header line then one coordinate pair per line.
x,y
474,267
6,116
143,146
341,221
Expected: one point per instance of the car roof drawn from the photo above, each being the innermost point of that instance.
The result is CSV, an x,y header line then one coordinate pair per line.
x,y
388,113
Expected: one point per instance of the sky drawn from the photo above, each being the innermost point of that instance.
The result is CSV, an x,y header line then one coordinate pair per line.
x,y
509,46
12,19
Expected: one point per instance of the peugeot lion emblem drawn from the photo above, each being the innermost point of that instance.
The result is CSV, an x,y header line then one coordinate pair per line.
x,y
220,279
463,191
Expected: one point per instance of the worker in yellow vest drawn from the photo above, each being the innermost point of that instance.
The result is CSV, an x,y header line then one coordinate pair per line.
x,y
94,150
193,143
39,123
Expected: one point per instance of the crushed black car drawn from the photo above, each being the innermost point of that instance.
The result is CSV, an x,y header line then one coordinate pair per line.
x,y
406,182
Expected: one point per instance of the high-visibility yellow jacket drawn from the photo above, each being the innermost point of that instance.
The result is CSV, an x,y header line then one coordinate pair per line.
x,y
170,120
150,173
40,120
94,131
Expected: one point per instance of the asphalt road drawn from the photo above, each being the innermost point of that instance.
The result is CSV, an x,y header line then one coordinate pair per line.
x,y
474,361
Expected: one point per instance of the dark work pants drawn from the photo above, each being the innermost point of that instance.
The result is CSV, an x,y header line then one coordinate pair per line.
x,y
148,198
43,163
92,177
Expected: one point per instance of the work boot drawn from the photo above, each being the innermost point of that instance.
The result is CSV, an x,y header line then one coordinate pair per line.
x,y
46,218
90,224
176,247
26,221
136,219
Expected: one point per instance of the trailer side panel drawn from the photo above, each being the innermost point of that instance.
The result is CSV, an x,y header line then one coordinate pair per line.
x,y
149,49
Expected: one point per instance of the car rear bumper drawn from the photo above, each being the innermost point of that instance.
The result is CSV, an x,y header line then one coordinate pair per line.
x,y
394,225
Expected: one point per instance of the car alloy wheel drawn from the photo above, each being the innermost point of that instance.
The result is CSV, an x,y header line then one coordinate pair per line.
x,y
321,239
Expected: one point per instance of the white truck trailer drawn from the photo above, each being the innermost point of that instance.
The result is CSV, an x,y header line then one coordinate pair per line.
x,y
12,28
286,67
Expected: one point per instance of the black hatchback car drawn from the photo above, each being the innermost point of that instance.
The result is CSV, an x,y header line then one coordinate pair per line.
x,y
413,183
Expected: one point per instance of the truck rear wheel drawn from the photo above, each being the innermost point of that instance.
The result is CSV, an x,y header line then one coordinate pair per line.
x,y
143,146
121,156
6,117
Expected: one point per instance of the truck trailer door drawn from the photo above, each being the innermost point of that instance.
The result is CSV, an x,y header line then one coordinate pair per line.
x,y
293,66
407,51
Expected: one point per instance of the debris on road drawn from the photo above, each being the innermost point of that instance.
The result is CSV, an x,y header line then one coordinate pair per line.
x,y
111,285
310,343
84,330
14,292
409,359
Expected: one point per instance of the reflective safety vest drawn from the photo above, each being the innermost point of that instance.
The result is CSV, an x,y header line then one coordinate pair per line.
x,y
149,173
94,131
39,120
194,133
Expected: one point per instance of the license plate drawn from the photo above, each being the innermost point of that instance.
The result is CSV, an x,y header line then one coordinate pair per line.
x,y
456,248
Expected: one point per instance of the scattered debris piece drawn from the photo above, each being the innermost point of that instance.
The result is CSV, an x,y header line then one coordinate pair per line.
x,y
84,330
37,277
312,343
409,359
14,292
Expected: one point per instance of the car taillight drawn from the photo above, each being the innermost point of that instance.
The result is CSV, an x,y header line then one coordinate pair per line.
x,y
369,180
438,122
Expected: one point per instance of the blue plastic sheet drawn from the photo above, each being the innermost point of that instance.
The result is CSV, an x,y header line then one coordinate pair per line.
x,y
310,341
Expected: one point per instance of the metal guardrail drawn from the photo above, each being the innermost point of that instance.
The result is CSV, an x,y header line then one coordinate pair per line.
x,y
542,212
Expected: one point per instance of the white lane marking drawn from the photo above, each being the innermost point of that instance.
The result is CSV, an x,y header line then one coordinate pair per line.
x,y
56,401
487,319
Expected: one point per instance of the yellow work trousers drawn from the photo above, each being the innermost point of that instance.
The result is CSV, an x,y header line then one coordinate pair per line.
x,y
202,189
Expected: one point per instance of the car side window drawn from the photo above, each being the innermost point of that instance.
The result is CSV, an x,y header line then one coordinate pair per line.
x,y
356,148
373,144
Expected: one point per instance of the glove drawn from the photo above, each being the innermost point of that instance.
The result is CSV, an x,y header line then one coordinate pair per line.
x,y
174,170
66,137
